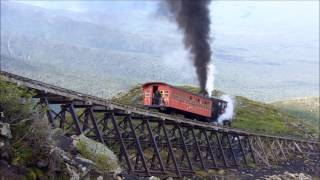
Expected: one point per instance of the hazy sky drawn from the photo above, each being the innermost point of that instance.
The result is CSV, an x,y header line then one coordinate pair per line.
x,y
242,18
262,40
287,29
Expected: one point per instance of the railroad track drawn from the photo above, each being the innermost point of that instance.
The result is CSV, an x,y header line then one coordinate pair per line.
x,y
151,143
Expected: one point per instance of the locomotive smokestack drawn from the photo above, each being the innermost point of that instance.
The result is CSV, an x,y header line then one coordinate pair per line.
x,y
192,17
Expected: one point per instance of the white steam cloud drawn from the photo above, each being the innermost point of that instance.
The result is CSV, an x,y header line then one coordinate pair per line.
x,y
229,111
210,79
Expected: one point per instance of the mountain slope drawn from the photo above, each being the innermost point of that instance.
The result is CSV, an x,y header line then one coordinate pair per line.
x,y
49,25
71,78
307,108
123,69
102,44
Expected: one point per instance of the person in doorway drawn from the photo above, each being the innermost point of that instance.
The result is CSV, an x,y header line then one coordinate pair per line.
x,y
156,97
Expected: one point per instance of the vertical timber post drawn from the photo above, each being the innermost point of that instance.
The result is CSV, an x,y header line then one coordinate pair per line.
x,y
242,150
251,150
222,150
95,124
231,149
156,149
170,148
280,147
198,149
49,114
63,117
185,147
210,148
122,145
85,121
75,118
263,151
138,145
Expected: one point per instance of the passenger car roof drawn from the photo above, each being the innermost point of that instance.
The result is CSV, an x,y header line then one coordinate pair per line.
x,y
162,83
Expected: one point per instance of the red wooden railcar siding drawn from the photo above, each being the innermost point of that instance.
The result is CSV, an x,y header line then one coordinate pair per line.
x,y
178,99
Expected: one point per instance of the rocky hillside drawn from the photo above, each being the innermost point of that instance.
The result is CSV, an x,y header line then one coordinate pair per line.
x,y
30,149
250,115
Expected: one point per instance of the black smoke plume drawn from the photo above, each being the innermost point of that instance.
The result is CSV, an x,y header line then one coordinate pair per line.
x,y
192,17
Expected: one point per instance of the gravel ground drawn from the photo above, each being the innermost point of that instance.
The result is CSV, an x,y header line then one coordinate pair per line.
x,y
308,166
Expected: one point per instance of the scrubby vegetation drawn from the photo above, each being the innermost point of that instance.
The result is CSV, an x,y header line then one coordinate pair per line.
x,y
264,118
26,145
307,108
250,115
15,102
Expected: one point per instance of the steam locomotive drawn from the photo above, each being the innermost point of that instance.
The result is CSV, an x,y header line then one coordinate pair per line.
x,y
173,100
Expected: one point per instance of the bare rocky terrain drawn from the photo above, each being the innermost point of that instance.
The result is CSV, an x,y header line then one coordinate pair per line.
x,y
309,166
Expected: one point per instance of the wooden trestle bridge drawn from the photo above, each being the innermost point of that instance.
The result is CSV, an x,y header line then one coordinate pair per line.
x,y
150,143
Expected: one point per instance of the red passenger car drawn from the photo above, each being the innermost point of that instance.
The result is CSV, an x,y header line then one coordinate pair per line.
x,y
172,99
